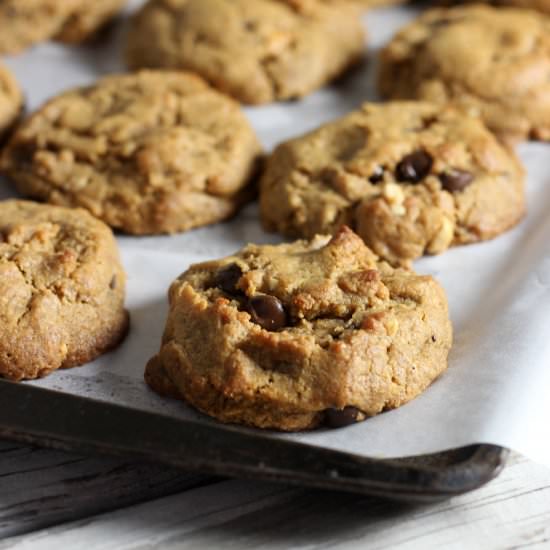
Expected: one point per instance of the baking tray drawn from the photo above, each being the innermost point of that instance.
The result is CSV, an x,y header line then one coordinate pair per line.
x,y
84,425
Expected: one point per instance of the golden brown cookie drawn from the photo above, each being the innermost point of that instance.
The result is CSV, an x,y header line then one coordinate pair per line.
x,y
257,51
11,102
88,18
26,22
540,5
298,335
368,4
61,289
148,152
494,61
411,177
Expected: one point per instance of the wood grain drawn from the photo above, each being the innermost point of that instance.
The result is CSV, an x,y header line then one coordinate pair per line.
x,y
511,512
39,487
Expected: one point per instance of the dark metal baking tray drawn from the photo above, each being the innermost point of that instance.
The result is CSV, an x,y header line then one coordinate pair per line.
x,y
63,421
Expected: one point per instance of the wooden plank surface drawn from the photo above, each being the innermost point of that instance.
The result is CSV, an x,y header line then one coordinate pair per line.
x,y
41,487
511,512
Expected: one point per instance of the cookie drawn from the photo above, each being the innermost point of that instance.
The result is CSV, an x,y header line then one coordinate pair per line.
x,y
298,335
368,4
11,101
61,289
148,153
411,177
26,22
540,5
495,61
258,51
87,19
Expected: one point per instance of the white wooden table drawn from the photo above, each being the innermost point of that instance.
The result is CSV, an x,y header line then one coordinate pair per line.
x,y
52,500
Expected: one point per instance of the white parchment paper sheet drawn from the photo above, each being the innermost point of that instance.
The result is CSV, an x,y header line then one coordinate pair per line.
x,y
497,387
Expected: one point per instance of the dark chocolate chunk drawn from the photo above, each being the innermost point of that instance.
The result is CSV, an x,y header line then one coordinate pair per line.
x,y
428,122
267,311
414,167
228,277
378,175
454,179
338,418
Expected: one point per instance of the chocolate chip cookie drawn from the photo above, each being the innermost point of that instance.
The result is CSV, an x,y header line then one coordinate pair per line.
x,y
87,19
26,22
258,51
495,61
412,178
149,152
11,101
61,289
300,335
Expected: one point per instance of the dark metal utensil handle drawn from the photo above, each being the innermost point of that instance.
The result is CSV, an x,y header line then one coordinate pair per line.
x,y
64,421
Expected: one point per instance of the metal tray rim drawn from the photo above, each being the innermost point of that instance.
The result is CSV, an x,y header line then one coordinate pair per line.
x,y
77,424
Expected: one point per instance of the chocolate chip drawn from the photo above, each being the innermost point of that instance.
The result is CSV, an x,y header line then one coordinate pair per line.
x,y
434,339
228,277
113,283
454,179
428,121
378,175
338,418
267,311
414,167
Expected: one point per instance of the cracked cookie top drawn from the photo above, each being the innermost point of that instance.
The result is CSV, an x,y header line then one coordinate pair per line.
x,y
87,18
11,101
61,289
149,152
410,177
257,51
26,22
297,335
494,61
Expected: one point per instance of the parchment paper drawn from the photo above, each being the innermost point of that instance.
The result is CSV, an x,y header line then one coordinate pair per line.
x,y
497,387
